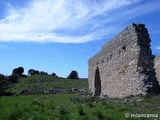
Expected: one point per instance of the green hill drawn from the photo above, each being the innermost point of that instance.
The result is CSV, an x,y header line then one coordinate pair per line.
x,y
47,82
72,106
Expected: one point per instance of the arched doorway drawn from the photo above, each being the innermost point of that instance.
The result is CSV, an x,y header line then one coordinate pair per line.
x,y
97,82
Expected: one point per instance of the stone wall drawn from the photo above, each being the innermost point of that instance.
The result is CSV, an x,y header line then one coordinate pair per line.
x,y
124,65
157,66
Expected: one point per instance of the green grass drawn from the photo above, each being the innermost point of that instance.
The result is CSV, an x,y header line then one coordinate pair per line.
x,y
70,106
73,106
39,82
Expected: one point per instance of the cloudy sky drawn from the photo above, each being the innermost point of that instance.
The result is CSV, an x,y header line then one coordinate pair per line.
x,y
61,35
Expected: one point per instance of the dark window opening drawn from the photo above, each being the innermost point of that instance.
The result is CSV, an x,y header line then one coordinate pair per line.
x,y
110,57
97,83
124,48
119,53
102,61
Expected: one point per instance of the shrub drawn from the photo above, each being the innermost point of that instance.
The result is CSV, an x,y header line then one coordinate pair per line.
x,y
33,72
2,77
13,78
2,82
54,74
43,73
18,71
73,75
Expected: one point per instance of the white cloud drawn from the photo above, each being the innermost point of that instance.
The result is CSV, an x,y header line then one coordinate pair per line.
x,y
141,9
64,21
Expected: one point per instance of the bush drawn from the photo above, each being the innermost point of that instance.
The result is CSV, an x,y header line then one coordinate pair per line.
x,y
2,77
73,75
33,72
54,74
2,82
13,78
43,73
18,71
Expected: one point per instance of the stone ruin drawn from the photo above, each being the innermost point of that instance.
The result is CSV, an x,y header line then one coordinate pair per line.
x,y
157,66
124,66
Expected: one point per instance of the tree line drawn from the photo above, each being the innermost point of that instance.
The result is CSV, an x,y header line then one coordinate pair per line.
x,y
9,81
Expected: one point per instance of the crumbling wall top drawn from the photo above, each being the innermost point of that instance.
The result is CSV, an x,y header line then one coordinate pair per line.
x,y
122,39
157,59
133,28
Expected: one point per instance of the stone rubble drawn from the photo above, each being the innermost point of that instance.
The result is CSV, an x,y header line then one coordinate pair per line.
x,y
54,91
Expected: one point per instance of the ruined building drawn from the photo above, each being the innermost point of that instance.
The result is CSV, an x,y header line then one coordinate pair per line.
x,y
124,66
157,66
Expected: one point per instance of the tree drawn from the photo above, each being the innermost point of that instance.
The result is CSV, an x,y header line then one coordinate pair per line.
x,y
36,72
43,73
2,82
33,72
18,71
13,78
73,75
7,82
54,74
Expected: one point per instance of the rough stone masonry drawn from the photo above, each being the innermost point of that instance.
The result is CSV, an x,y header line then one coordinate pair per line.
x,y
124,66
157,66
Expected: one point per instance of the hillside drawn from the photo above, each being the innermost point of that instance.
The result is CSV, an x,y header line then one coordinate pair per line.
x,y
47,82
72,106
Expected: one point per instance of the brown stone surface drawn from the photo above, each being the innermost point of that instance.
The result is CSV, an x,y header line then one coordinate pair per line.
x,y
157,67
125,65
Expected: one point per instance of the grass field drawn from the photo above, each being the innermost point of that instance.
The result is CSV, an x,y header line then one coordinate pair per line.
x,y
71,106
46,82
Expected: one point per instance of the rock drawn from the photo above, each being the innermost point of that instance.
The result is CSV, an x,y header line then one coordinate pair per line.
x,y
53,91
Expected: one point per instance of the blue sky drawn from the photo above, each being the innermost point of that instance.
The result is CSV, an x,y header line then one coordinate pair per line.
x,y
61,35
